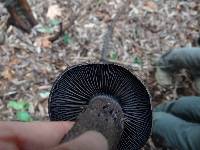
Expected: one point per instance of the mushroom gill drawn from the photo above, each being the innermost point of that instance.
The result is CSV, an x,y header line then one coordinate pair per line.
x,y
78,85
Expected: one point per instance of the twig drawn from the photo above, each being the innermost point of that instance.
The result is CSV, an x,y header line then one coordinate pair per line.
x,y
107,39
58,34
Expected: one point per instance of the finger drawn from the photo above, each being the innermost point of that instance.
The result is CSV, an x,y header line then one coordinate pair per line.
x,y
35,135
8,146
90,140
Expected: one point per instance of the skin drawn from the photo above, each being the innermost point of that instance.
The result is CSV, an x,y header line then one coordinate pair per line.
x,y
46,135
90,140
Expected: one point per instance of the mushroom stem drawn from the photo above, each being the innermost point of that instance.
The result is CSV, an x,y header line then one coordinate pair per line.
x,y
103,115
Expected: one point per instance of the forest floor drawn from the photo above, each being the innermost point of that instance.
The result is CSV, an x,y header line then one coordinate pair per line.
x,y
29,63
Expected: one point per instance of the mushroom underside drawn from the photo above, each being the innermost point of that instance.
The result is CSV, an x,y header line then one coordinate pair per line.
x,y
77,85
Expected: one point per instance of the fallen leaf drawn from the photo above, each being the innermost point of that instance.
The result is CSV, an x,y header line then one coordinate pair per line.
x,y
150,6
14,61
103,15
43,42
7,73
54,11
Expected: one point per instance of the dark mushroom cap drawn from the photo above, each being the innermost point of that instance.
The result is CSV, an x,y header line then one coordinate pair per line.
x,y
77,85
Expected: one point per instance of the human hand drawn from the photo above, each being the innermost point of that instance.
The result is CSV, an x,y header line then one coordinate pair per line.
x,y
46,135
32,136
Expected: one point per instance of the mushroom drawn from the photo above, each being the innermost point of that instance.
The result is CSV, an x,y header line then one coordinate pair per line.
x,y
79,85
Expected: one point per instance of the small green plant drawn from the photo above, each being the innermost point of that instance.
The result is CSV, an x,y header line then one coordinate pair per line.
x,y
18,105
137,60
23,116
99,2
45,29
21,108
49,28
113,55
54,22
66,38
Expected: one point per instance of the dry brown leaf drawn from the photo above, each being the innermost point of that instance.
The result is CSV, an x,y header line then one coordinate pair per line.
x,y
54,11
14,61
103,15
46,43
7,73
43,42
150,6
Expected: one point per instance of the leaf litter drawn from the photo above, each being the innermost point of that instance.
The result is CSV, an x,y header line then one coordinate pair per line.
x,y
30,62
